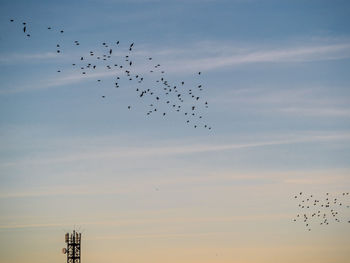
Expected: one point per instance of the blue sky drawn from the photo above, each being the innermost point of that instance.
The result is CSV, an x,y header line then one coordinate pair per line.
x,y
276,77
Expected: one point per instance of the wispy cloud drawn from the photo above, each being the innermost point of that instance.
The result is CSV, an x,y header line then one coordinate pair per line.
x,y
17,58
132,152
204,56
286,99
145,221
212,55
65,79
19,226
218,179
131,186
317,111
300,54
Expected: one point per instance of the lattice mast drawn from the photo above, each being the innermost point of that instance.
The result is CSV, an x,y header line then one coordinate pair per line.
x,y
73,250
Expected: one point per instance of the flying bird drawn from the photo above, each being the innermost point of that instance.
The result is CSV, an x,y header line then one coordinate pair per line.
x,y
163,91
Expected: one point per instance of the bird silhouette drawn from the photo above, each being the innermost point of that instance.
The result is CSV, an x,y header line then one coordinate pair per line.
x,y
164,92
321,211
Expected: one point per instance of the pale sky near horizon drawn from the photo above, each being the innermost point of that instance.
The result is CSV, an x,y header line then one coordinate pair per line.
x,y
153,189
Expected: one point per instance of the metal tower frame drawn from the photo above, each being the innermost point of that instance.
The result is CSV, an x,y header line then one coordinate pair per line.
x,y
73,250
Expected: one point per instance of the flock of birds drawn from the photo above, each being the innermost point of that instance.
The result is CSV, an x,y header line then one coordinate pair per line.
x,y
320,211
323,211
164,94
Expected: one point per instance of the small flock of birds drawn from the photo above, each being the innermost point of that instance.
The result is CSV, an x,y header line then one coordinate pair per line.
x,y
323,211
178,97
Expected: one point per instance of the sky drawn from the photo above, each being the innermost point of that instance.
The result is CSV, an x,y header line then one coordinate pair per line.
x,y
155,189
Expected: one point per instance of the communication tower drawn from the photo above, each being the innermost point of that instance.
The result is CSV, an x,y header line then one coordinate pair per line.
x,y
73,250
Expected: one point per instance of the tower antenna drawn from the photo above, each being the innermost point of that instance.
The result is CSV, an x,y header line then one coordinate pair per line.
x,y
73,250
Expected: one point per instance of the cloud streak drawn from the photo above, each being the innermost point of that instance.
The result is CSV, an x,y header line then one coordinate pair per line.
x,y
144,221
235,56
207,56
132,152
317,111
289,100
212,180
16,58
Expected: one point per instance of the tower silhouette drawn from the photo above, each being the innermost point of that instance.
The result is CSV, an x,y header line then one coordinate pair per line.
x,y
73,250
